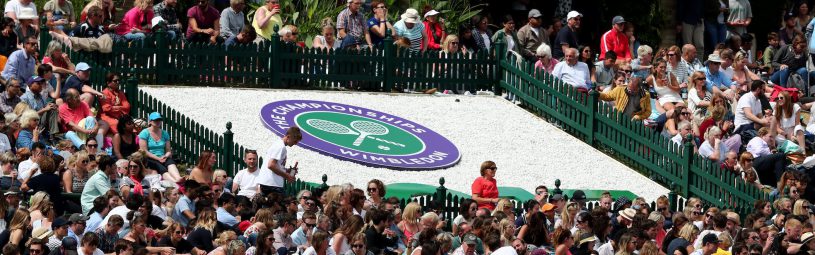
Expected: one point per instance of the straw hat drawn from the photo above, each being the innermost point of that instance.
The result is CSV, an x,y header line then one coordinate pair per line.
x,y
410,16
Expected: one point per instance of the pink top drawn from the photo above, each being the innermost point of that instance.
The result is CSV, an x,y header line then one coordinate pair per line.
x,y
135,18
549,68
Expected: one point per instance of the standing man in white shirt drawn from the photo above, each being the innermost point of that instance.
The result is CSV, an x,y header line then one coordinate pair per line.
x,y
274,174
245,183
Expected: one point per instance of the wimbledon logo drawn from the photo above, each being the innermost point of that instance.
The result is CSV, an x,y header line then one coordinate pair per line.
x,y
361,135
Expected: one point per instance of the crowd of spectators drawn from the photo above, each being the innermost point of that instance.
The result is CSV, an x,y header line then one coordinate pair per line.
x,y
58,135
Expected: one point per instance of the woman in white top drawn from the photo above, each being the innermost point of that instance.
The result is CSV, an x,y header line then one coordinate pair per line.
x,y
326,40
769,164
788,116
665,85
340,243
698,97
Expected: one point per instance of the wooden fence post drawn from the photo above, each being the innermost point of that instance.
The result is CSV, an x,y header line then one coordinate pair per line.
x,y
388,61
162,57
441,194
500,55
687,158
591,120
132,93
275,60
227,150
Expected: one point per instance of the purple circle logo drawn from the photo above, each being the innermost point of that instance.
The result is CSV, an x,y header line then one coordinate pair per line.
x,y
361,135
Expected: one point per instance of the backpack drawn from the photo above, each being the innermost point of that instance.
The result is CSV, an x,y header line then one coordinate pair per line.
x,y
798,82
795,93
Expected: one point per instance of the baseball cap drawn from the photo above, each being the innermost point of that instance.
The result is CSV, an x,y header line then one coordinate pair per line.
x,y
710,238
548,207
573,14
578,195
556,197
154,116
617,20
534,13
77,217
82,66
59,222
470,238
34,79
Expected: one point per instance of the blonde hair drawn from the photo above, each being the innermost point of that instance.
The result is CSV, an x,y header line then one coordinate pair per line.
x,y
225,237
447,41
18,221
688,232
26,118
688,211
265,216
504,202
142,4
21,107
39,201
644,50
412,212
217,172
566,220
726,239
206,220
712,132
799,208
649,248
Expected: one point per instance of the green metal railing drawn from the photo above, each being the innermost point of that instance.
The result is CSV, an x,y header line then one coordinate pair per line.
x,y
598,124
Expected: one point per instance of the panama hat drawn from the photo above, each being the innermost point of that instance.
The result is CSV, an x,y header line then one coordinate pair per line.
x,y
410,16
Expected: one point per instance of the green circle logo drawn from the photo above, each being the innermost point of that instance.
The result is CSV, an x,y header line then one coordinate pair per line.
x,y
359,133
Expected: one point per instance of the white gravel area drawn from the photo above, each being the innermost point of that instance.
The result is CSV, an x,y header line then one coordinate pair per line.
x,y
528,150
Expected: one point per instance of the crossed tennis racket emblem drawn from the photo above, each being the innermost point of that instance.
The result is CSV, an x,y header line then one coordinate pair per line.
x,y
363,128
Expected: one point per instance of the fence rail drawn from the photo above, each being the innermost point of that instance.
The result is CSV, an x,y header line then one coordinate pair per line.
x,y
598,124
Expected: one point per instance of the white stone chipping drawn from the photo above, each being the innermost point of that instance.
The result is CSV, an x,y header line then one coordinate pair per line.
x,y
528,150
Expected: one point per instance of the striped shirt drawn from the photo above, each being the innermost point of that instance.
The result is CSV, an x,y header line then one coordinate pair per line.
x,y
353,23
413,34
681,71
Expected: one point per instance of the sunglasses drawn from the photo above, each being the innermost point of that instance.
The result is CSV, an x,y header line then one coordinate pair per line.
x,y
357,246
311,225
372,189
218,190
626,71
115,80
92,145
781,98
697,213
662,209
133,167
34,251
671,54
454,43
179,232
310,204
709,215
85,161
685,113
700,79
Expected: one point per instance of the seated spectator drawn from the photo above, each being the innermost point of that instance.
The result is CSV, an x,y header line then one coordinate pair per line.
x,y
532,35
319,244
204,23
59,14
202,235
246,36
267,19
641,65
434,29
26,27
749,112
10,97
378,24
791,59
106,9
288,35
15,233
93,26
155,142
713,148
769,165
77,120
677,67
604,71
341,242
665,85
8,39
742,76
409,27
573,72
481,33
100,208
114,103
38,97
226,210
625,98
125,143
326,40
90,245
545,61
109,234
748,173
136,22
31,132
28,167
788,118
282,234
96,185
175,238
232,19
681,137
770,51
167,11
81,83
14,9
20,64
699,97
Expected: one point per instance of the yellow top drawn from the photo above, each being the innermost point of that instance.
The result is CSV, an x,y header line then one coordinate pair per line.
x,y
268,31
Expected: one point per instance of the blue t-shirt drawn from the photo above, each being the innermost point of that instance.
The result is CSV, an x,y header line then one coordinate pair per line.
x,y
375,39
155,147
72,82
184,203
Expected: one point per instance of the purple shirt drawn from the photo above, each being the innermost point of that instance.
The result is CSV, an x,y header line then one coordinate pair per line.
x,y
204,19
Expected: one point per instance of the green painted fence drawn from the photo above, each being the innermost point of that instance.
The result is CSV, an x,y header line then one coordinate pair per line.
x,y
598,124
274,64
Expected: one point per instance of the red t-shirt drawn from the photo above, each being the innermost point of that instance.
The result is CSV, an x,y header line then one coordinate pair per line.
x,y
485,189
67,115
203,18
